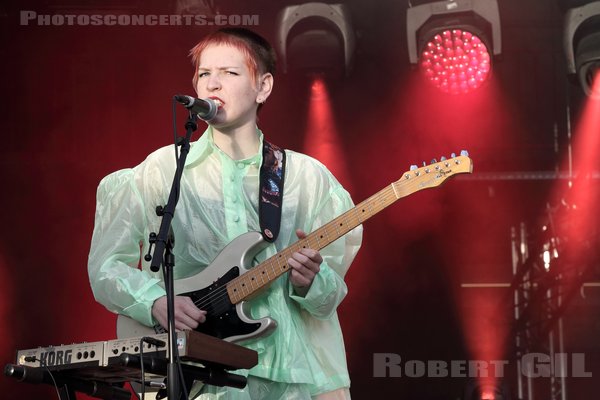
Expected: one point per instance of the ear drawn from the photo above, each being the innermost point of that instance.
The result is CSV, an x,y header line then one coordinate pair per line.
x,y
265,86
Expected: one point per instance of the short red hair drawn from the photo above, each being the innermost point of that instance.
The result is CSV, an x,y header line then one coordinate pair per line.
x,y
260,56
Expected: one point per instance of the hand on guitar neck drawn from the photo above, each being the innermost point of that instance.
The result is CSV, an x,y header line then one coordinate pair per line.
x,y
305,264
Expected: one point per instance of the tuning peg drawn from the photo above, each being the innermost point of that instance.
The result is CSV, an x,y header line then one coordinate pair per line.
x,y
453,155
442,158
464,153
413,167
424,164
433,161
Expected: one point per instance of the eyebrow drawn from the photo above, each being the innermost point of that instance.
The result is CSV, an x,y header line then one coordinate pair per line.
x,y
220,68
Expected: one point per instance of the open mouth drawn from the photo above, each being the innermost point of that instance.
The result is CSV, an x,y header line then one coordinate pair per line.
x,y
218,102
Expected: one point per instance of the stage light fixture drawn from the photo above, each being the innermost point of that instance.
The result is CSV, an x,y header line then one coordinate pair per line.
x,y
454,41
316,37
582,44
206,8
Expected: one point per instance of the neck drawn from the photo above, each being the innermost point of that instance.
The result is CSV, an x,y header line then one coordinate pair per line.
x,y
238,143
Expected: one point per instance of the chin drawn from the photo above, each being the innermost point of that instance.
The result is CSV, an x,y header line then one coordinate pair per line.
x,y
217,122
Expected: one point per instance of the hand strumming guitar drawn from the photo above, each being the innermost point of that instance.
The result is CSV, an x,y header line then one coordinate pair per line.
x,y
187,315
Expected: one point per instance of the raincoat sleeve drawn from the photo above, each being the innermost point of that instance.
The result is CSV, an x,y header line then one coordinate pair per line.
x,y
328,288
114,266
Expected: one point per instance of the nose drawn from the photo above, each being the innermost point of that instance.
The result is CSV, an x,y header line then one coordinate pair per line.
x,y
213,83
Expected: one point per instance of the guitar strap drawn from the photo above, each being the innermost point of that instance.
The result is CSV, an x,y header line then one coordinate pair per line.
x,y
272,173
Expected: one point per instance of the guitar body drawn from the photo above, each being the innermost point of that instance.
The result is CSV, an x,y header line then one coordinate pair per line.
x,y
224,320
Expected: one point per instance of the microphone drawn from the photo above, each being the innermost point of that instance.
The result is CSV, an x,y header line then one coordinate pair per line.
x,y
206,109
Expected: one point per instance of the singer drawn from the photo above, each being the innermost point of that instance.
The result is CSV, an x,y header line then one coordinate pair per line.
x,y
223,194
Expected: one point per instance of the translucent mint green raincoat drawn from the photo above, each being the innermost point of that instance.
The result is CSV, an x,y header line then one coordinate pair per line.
x,y
218,202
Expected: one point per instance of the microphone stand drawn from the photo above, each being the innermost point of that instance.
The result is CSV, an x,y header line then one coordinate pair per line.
x,y
163,254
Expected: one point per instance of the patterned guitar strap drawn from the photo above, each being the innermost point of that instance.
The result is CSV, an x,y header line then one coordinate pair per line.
x,y
272,173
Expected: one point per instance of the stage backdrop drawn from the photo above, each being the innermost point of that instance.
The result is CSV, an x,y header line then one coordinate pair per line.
x,y
83,101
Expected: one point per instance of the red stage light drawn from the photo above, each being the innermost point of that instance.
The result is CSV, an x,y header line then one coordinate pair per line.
x,y
456,61
323,140
488,395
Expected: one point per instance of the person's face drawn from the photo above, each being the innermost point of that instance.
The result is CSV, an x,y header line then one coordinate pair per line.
x,y
224,77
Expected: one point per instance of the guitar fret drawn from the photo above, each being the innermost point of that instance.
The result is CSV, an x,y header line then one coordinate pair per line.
x,y
246,283
325,234
276,267
243,287
304,245
394,189
356,215
234,293
358,212
282,259
317,239
337,231
355,219
281,265
262,275
377,204
383,198
265,270
371,213
348,223
252,280
343,222
271,271
363,213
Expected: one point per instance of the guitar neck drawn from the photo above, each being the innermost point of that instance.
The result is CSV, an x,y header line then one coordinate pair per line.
x,y
244,286
266,272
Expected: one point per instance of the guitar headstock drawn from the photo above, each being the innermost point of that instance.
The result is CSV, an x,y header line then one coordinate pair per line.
x,y
433,174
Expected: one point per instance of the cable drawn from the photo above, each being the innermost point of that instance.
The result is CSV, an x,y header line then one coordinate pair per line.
x,y
56,385
143,375
181,377
175,140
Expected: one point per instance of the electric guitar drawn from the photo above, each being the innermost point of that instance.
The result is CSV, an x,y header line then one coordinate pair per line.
x,y
234,280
